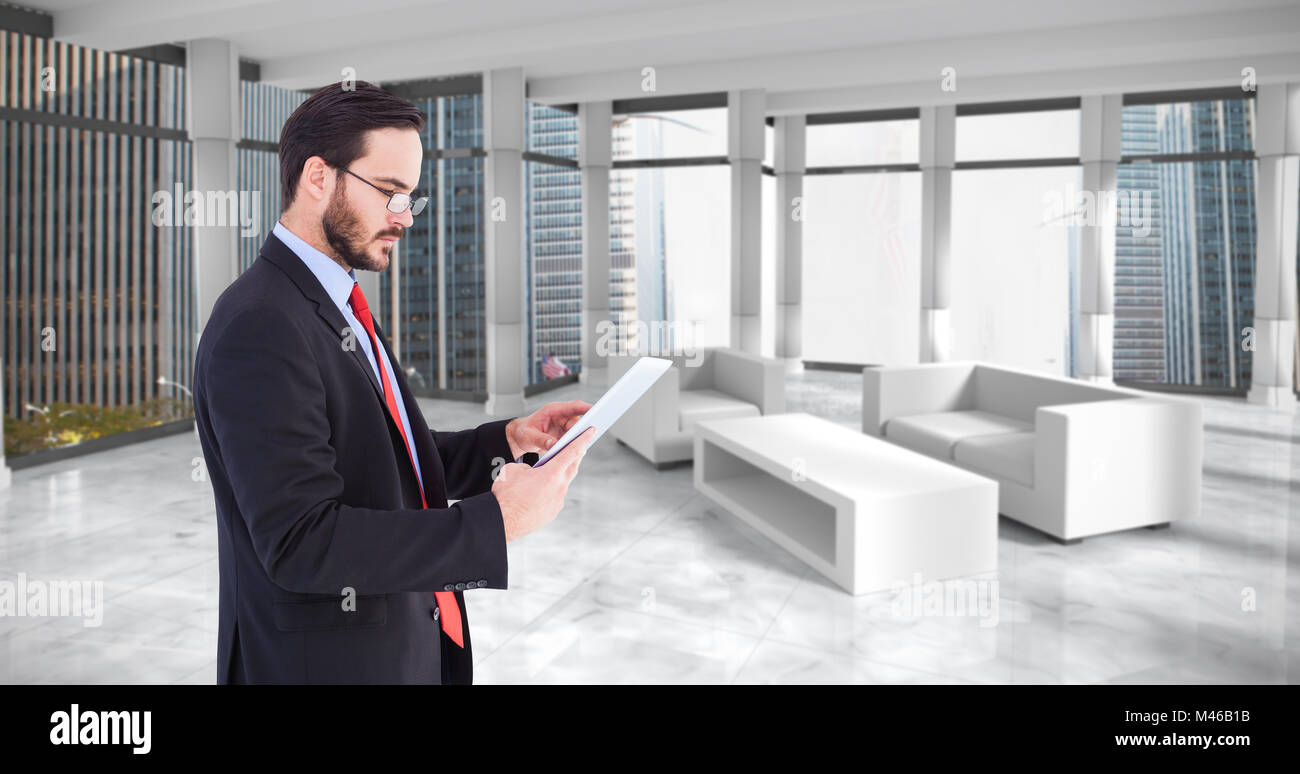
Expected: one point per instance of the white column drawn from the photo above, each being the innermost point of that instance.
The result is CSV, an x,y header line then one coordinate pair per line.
x,y
503,178
1100,135
745,140
938,151
595,154
213,111
789,162
1277,143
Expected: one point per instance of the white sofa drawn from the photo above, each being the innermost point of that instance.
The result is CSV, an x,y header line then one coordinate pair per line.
x,y
1071,458
715,383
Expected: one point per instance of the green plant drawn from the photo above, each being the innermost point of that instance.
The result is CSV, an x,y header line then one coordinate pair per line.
x,y
63,424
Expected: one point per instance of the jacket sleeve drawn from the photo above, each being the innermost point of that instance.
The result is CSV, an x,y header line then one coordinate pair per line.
x,y
469,457
259,387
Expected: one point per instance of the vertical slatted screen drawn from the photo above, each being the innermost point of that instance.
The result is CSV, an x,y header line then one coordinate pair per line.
x,y
85,269
265,109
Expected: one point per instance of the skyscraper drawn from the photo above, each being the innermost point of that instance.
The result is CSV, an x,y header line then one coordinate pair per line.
x,y
623,234
1209,249
553,234
1139,353
440,275
1185,291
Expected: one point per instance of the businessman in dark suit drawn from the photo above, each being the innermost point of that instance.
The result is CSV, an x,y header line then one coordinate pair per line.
x,y
340,559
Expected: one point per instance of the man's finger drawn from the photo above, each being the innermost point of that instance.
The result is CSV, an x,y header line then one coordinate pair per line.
x,y
576,460
576,448
539,438
561,416
570,407
585,438
505,469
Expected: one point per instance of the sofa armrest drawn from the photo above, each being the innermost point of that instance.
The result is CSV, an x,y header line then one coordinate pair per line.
x,y
653,417
1118,464
899,391
753,379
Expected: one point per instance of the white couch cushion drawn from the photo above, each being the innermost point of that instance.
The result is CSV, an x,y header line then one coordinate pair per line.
x,y
1001,455
1018,394
702,405
935,434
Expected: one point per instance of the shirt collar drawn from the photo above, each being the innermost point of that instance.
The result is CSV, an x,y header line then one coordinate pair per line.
x,y
337,282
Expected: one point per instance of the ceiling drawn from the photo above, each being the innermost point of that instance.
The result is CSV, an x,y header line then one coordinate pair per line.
x,y
810,55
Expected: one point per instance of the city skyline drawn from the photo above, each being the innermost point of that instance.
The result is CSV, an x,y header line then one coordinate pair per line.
x,y
1185,291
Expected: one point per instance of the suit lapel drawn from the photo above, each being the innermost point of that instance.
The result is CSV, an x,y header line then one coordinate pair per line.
x,y
281,255
278,253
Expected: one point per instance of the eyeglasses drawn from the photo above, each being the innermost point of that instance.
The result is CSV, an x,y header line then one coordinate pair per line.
x,y
397,202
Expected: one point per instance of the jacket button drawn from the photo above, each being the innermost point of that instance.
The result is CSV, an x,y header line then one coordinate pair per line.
x,y
449,587
460,586
482,584
435,614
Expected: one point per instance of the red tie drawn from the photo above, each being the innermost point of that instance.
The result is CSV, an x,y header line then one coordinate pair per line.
x,y
446,600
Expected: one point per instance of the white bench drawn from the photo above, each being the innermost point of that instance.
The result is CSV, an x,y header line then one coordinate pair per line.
x,y
865,513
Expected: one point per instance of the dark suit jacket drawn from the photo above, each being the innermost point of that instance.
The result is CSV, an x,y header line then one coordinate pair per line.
x,y
315,493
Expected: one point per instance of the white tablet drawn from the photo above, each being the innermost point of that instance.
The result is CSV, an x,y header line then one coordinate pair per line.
x,y
617,399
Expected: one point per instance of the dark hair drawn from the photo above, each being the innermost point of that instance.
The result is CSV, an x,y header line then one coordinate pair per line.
x,y
332,124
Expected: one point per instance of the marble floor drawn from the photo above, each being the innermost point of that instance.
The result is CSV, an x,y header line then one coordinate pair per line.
x,y
641,580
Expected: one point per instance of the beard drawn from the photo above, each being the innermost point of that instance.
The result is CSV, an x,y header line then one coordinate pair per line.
x,y
346,235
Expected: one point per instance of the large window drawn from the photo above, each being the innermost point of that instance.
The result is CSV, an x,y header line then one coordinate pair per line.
x,y
553,236
1015,246
439,271
1185,261
462,276
861,214
418,282
675,134
669,257
1014,269
551,131
861,268
673,260
1036,134
862,143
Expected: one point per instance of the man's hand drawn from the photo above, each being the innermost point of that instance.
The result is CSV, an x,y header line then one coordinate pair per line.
x,y
539,431
531,498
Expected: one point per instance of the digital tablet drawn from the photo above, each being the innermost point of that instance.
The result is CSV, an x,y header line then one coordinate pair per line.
x,y
617,399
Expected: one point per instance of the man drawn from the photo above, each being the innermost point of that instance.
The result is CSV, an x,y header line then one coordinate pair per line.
x,y
340,559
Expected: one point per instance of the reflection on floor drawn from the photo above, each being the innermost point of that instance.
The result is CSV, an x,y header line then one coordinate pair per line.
x,y
642,580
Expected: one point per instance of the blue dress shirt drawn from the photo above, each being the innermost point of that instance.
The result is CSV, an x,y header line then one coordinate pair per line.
x,y
338,285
